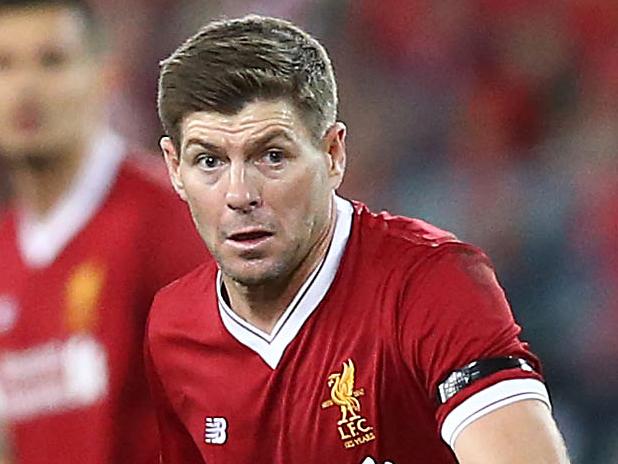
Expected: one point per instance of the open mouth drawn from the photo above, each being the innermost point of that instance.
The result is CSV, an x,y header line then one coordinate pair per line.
x,y
28,119
250,236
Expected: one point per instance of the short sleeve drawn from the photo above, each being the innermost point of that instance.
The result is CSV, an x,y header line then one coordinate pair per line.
x,y
455,313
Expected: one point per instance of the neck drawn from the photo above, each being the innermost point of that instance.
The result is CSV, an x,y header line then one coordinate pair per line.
x,y
40,181
263,305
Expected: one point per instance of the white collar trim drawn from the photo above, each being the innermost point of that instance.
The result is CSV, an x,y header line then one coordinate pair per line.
x,y
41,240
270,347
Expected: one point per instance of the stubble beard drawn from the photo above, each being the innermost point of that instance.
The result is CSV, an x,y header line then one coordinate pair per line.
x,y
279,272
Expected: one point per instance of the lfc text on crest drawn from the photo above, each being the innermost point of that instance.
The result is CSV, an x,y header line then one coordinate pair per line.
x,y
353,427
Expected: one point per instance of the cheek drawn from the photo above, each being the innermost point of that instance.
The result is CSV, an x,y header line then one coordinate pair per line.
x,y
5,112
203,204
5,95
301,202
204,221
71,91
11,97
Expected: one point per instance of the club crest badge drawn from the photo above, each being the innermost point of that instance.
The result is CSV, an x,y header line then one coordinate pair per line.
x,y
83,290
352,426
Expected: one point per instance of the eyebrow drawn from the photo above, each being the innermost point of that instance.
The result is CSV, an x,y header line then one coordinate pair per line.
x,y
259,142
205,145
252,145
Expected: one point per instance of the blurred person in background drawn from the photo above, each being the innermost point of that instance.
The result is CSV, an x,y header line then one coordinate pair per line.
x,y
89,237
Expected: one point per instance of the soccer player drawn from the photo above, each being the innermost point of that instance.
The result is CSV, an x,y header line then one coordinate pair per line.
x,y
89,238
324,333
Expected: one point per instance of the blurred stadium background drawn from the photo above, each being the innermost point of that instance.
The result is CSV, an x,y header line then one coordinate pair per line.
x,y
495,119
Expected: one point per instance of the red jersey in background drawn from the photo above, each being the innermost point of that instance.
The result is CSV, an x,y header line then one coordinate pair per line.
x,y
75,290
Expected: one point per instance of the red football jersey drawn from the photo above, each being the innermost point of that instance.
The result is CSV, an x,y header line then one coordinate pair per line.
x,y
350,372
75,290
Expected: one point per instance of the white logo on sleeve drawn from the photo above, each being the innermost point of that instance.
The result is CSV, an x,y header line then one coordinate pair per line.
x,y
215,431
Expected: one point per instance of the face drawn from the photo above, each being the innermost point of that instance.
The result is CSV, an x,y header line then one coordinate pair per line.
x,y
260,191
49,81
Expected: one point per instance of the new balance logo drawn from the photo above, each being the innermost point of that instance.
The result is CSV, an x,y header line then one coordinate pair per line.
x,y
370,460
215,431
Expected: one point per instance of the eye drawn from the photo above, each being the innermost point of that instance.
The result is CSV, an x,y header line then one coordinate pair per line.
x,y
208,162
274,157
52,58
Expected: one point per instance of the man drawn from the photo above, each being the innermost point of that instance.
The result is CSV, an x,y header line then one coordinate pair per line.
x,y
88,240
323,332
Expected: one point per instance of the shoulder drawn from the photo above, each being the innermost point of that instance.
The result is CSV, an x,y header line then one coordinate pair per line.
x,y
454,262
172,304
419,264
192,283
144,175
406,245
414,232
144,196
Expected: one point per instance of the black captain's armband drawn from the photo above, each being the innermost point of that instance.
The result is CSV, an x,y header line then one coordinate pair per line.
x,y
467,375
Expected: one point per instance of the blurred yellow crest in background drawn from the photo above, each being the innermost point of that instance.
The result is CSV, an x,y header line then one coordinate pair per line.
x,y
83,291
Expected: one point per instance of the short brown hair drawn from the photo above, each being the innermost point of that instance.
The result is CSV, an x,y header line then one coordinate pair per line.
x,y
229,63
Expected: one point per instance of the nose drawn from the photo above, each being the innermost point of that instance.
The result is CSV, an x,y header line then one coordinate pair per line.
x,y
242,194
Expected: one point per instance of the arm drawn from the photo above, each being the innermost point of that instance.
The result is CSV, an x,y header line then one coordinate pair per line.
x,y
522,432
459,316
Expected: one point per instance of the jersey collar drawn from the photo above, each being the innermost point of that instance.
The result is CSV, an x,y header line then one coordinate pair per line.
x,y
270,347
41,240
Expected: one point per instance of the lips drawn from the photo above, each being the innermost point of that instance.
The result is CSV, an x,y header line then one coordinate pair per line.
x,y
248,236
28,118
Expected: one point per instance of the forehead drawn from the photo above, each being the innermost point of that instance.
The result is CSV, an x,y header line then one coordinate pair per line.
x,y
254,120
24,29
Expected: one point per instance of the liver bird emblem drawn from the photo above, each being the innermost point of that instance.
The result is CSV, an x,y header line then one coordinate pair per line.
x,y
342,392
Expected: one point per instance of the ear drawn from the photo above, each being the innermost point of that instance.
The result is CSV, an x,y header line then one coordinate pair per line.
x,y
335,148
172,161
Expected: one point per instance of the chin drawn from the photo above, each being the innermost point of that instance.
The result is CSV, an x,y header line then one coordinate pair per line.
x,y
255,274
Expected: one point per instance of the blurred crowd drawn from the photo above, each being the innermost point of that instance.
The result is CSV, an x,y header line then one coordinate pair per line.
x,y
496,120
